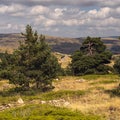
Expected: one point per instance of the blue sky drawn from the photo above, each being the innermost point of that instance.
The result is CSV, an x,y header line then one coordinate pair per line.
x,y
65,18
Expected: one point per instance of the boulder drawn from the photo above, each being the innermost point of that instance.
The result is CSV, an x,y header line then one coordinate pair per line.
x,y
20,101
80,80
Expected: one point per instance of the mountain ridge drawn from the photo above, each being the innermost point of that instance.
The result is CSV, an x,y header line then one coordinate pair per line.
x,y
59,44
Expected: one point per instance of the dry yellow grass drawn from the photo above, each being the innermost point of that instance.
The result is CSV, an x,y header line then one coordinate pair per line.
x,y
69,83
4,85
96,101
72,83
8,49
63,59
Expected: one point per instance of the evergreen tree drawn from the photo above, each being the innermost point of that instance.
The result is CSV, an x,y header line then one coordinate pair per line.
x,y
91,46
117,65
32,62
91,58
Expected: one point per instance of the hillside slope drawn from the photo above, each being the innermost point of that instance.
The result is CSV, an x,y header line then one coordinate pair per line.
x,y
58,44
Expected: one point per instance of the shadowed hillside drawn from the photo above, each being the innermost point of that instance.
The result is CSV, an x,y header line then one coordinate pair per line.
x,y
58,44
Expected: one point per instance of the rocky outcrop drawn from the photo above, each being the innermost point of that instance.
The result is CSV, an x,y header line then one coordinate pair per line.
x,y
20,102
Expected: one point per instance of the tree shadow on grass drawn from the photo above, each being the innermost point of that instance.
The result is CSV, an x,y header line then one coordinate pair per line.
x,y
19,91
15,91
114,92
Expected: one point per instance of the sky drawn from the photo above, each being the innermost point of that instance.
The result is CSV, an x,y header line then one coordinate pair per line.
x,y
64,18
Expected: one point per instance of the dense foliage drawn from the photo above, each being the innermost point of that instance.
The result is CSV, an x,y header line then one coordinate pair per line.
x,y
117,65
32,62
91,58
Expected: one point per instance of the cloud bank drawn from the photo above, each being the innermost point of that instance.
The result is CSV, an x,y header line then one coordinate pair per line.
x,y
61,18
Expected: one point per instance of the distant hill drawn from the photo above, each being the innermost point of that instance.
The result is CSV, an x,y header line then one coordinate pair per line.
x,y
114,36
58,44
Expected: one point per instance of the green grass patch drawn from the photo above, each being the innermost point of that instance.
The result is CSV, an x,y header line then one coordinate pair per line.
x,y
6,100
95,77
45,112
31,95
104,82
64,94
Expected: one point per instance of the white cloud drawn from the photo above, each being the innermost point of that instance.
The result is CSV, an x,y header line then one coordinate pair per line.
x,y
41,20
11,27
70,22
92,12
110,22
18,14
62,17
104,12
39,10
50,22
59,12
9,9
101,14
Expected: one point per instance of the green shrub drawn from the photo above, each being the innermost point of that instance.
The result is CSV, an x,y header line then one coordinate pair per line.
x,y
44,112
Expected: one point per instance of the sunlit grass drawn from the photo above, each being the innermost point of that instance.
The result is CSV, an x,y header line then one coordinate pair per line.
x,y
96,93
44,112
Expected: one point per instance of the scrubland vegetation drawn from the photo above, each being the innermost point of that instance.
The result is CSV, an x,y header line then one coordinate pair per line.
x,y
94,98
86,87
45,112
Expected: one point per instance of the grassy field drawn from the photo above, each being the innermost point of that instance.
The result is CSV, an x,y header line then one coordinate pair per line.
x,y
90,97
44,112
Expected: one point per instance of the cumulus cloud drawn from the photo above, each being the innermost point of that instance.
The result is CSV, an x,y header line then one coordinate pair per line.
x,y
41,20
9,9
63,18
101,14
39,10
8,27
